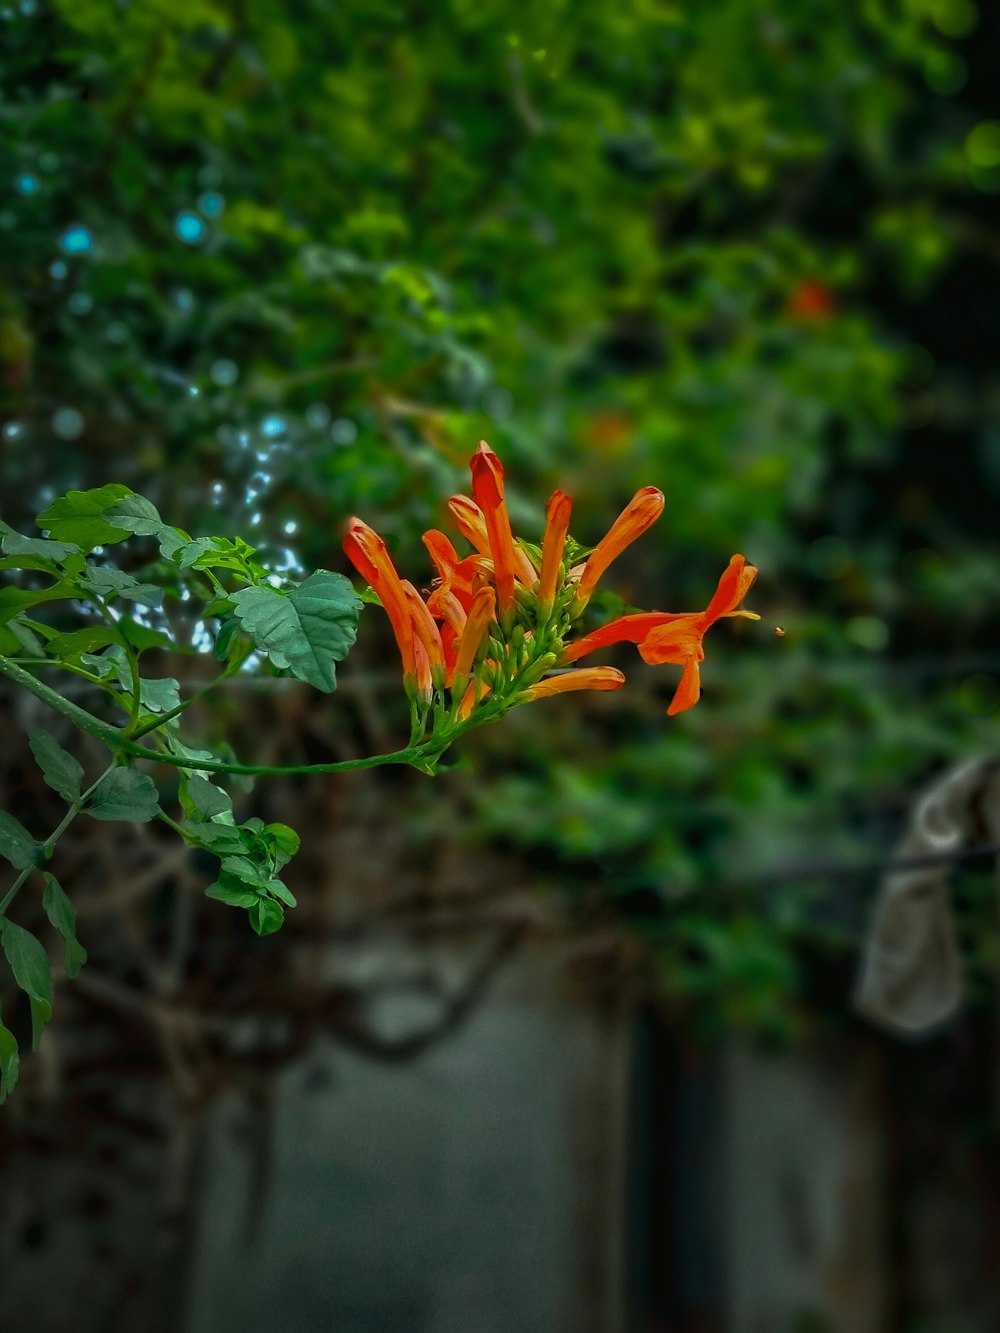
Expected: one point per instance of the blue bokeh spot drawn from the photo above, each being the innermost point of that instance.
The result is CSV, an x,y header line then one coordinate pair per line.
x,y
189,227
76,240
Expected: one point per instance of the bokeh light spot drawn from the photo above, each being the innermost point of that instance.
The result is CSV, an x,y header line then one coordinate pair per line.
x,y
80,303
211,204
272,427
224,372
189,227
76,240
317,416
343,431
27,184
67,423
954,18
868,632
979,693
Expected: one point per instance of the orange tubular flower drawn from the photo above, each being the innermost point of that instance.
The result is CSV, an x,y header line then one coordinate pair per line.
x,y
586,678
640,513
556,526
672,638
367,553
483,607
487,491
442,552
426,631
679,642
471,523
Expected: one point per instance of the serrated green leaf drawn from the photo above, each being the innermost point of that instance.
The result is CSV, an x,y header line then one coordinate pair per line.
x,y
140,517
231,894
282,891
15,544
16,843
59,769
306,630
206,798
222,839
9,1063
115,582
135,514
266,916
79,517
62,915
30,964
246,871
124,794
159,695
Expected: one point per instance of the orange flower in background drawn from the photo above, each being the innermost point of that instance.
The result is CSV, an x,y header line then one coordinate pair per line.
x,y
640,513
367,552
811,300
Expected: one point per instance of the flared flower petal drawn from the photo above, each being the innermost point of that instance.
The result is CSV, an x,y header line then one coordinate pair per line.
x,y
640,513
734,585
367,553
584,678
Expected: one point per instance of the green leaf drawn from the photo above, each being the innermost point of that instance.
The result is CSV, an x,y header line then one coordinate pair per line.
x,y
30,964
222,839
306,630
231,894
79,517
124,794
206,798
59,769
114,582
15,600
279,890
9,1063
224,637
141,638
246,871
221,553
282,841
70,646
16,843
15,544
140,517
62,914
159,695
266,916
26,639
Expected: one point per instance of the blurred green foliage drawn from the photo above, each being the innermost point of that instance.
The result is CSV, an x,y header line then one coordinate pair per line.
x,y
292,263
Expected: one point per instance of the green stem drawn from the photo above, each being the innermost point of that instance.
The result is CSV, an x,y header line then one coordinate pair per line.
x,y
52,839
103,731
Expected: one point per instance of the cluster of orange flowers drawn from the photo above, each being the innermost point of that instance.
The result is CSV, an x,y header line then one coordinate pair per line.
x,y
494,629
